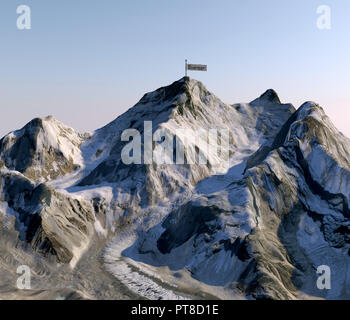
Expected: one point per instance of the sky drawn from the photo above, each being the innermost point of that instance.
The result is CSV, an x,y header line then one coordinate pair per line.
x,y
86,61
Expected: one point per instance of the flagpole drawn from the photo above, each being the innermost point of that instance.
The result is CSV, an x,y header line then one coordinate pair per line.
x,y
185,67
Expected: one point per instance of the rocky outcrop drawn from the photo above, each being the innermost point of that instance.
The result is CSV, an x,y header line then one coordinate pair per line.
x,y
53,223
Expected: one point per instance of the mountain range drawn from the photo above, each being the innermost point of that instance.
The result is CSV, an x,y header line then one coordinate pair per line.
x,y
90,226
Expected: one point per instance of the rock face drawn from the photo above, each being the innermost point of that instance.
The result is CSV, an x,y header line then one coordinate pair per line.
x,y
53,223
257,228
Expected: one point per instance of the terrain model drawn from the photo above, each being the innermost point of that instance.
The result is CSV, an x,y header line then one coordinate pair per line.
x,y
254,220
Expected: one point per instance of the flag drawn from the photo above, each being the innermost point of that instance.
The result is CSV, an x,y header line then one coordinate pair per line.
x,y
197,67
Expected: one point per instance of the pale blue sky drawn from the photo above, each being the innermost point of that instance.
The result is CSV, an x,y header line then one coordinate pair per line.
x,y
87,61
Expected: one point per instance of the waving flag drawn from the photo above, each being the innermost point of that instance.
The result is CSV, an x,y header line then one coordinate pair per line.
x,y
196,67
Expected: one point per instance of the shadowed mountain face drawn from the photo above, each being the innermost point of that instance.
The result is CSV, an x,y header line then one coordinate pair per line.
x,y
258,228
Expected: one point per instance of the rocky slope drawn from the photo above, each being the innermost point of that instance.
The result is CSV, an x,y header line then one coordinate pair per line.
x,y
257,226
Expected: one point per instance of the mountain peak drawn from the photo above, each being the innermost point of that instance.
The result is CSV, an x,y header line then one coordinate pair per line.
x,y
42,150
37,124
269,96
185,79
50,118
170,92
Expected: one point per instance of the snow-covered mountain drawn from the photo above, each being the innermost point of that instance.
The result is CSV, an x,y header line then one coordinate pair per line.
x,y
42,150
257,226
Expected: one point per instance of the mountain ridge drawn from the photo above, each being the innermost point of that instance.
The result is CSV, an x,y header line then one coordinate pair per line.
x,y
242,231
